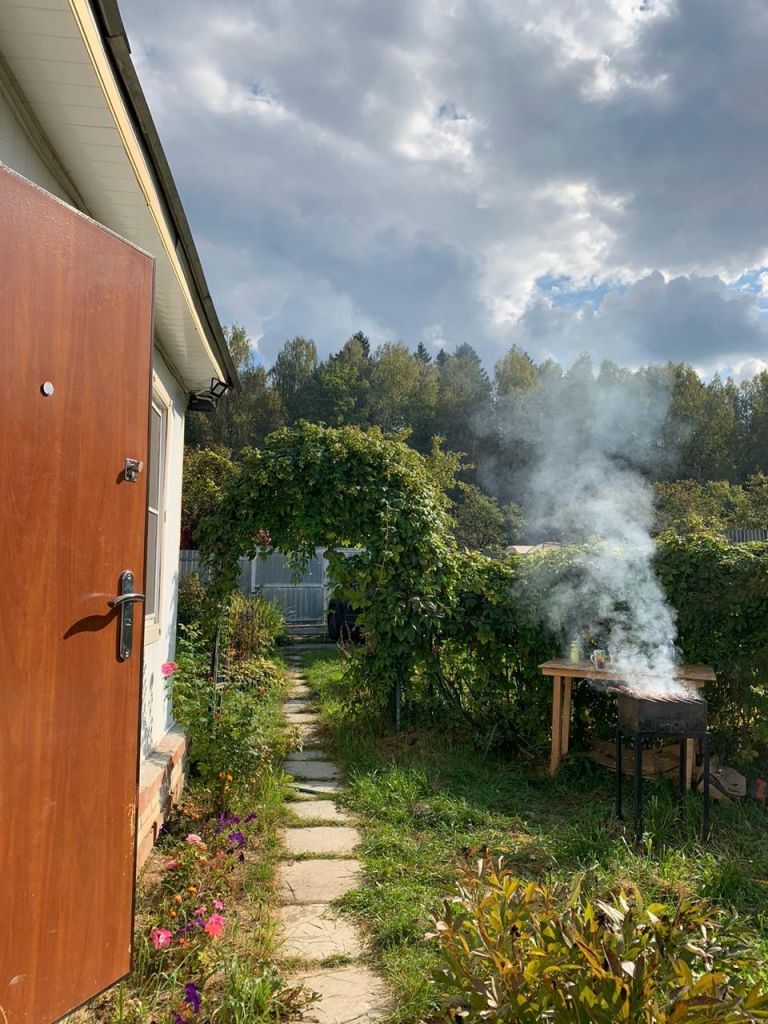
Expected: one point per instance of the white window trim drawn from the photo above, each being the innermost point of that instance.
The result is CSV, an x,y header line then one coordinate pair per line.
x,y
153,624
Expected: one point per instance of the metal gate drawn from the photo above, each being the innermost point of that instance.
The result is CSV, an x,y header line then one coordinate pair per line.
x,y
302,598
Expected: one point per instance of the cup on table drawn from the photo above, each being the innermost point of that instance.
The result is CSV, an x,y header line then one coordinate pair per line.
x,y
599,658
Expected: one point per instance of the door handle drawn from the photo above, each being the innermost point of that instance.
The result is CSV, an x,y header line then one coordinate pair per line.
x,y
116,602
124,602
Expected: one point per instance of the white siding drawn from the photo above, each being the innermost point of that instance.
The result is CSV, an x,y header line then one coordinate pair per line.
x,y
18,152
156,716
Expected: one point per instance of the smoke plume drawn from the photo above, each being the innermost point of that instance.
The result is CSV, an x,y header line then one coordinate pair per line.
x,y
590,444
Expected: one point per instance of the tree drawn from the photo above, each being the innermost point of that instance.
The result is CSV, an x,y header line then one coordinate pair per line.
x,y
403,392
422,353
245,415
464,401
515,373
207,471
480,522
292,374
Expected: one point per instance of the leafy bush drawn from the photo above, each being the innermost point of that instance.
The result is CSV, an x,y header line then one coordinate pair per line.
x,y
191,605
228,734
510,952
720,592
253,626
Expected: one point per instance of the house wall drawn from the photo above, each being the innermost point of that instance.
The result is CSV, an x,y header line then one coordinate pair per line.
x,y
18,151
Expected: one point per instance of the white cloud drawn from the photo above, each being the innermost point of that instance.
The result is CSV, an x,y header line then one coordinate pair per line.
x,y
422,163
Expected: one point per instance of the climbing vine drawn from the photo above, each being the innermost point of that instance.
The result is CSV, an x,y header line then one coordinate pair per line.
x,y
312,486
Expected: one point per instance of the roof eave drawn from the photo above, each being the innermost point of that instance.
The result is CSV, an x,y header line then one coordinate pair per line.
x,y
110,22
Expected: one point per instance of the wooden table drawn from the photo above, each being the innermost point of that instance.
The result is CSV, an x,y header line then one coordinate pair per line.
x,y
563,673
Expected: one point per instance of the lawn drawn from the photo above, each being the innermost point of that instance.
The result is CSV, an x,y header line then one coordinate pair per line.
x,y
428,799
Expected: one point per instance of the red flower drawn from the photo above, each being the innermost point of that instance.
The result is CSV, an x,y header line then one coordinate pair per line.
x,y
168,668
215,925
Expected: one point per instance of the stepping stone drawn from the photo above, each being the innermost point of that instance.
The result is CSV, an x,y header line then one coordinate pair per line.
x,y
316,754
311,735
315,931
296,704
300,718
321,839
320,770
318,809
348,995
312,881
321,787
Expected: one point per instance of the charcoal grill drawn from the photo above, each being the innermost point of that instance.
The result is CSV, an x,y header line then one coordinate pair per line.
x,y
642,718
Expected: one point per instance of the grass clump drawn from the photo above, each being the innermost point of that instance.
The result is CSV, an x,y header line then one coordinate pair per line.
x,y
428,798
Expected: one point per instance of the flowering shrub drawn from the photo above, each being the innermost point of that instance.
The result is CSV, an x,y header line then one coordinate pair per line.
x,y
510,953
197,893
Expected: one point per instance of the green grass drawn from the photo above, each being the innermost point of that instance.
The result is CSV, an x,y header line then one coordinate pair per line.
x,y
427,799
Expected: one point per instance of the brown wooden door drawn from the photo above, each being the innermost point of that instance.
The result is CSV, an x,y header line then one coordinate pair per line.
x,y
76,321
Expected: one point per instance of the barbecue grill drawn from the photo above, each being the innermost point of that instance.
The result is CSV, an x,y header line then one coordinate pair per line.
x,y
650,717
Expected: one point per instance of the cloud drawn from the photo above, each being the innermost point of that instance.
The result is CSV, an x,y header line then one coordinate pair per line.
x,y
417,167
653,320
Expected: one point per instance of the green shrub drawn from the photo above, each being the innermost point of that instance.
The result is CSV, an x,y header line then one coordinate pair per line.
x,y
191,599
510,952
226,727
253,626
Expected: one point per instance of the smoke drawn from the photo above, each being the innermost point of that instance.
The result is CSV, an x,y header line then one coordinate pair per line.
x,y
589,445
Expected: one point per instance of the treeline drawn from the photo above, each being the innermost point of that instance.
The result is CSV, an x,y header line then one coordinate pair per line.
x,y
714,431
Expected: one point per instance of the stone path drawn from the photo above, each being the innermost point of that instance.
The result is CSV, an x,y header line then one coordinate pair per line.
x,y
319,868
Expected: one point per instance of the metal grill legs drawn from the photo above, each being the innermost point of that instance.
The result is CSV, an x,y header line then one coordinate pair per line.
x,y
638,788
638,782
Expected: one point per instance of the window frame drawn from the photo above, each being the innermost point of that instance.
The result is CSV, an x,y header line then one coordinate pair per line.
x,y
160,401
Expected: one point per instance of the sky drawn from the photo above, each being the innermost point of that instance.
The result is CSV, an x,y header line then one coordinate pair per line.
x,y
566,175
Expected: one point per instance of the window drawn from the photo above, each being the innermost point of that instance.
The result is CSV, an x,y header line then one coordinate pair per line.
x,y
157,430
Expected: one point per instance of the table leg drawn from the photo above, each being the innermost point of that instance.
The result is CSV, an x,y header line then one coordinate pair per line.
x,y
557,723
565,730
619,780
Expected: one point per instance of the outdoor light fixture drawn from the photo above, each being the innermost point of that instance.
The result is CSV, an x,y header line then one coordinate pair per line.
x,y
206,401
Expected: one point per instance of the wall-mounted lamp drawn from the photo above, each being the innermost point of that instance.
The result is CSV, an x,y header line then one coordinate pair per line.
x,y
206,401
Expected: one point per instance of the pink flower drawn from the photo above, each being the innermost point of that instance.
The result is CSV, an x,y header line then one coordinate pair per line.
x,y
218,905
195,840
215,925
161,938
171,865
168,668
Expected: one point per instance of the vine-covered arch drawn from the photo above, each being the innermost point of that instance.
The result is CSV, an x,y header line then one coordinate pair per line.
x,y
313,486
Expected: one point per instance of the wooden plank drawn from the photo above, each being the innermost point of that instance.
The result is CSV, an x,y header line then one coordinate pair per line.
x,y
696,674
557,690
565,730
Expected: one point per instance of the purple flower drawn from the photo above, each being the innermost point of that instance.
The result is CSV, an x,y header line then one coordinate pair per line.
x,y
251,817
185,928
200,922
237,839
225,820
192,996
176,1018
